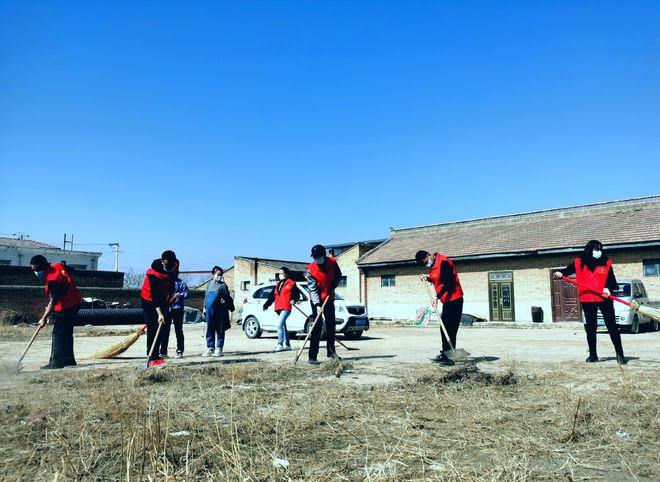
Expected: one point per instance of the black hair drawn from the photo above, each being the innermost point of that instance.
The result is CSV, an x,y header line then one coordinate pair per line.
x,y
421,256
169,256
39,261
217,268
286,270
586,257
318,250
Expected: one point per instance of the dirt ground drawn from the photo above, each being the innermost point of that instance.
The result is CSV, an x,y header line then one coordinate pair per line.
x,y
524,406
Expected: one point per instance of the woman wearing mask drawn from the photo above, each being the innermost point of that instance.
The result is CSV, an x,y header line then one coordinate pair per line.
x,y
285,295
217,305
595,278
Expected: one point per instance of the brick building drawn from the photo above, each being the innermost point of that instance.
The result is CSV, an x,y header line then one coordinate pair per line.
x,y
505,262
248,272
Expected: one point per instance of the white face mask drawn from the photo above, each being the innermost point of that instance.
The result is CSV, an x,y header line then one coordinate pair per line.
x,y
597,254
282,276
320,260
218,278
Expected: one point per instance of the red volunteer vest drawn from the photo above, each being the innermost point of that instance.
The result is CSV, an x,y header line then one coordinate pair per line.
x,y
283,297
595,281
434,274
324,279
146,291
69,295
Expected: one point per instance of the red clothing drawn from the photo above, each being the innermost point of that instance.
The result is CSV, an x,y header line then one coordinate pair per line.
x,y
68,295
434,274
325,279
148,290
595,280
283,291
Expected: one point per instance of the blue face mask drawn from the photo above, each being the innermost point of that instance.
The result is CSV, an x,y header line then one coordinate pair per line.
x,y
218,278
320,260
38,274
429,264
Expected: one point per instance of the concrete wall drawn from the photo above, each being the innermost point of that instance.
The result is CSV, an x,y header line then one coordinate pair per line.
x,y
254,271
24,276
353,291
20,256
531,281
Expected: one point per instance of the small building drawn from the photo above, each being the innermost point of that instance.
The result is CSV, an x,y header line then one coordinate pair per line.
x,y
248,272
505,263
347,254
19,252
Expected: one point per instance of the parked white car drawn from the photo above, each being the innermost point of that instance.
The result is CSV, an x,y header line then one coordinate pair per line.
x,y
351,318
630,320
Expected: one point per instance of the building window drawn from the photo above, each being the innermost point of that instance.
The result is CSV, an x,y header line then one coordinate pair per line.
x,y
387,280
5,261
245,285
342,282
651,267
78,266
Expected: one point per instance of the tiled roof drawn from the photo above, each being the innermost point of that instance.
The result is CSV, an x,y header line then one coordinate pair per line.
x,y
24,243
625,222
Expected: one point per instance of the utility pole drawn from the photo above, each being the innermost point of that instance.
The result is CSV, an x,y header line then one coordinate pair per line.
x,y
116,246
70,242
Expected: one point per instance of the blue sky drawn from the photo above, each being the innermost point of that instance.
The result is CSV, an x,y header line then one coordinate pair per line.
x,y
260,128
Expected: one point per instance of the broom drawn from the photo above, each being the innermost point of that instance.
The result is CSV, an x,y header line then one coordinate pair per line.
x,y
644,310
118,348
453,354
311,329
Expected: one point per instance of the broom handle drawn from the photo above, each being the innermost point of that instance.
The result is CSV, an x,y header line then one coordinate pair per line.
x,y
611,296
311,329
153,343
306,316
29,345
435,308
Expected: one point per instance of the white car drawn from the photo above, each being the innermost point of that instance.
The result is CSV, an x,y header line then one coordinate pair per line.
x,y
630,290
351,318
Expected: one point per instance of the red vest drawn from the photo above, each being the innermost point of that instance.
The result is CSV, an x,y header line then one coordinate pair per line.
x,y
283,297
595,280
324,279
434,274
146,291
69,295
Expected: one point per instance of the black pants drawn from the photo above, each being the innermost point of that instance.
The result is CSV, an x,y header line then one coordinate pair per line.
x,y
451,317
327,319
590,310
151,319
177,321
61,354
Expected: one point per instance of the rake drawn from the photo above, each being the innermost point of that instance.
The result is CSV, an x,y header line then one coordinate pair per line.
x,y
311,329
647,311
308,317
118,348
18,364
454,354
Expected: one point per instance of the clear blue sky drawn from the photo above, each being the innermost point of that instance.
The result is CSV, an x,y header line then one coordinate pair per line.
x,y
259,128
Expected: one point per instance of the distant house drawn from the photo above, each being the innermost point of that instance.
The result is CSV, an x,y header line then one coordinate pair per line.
x,y
505,262
18,252
248,272
347,254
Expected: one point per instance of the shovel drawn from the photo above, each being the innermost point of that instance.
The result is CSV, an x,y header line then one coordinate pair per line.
x,y
18,364
454,354
311,329
339,342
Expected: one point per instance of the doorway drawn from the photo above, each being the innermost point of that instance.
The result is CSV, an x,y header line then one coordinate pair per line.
x,y
500,293
565,301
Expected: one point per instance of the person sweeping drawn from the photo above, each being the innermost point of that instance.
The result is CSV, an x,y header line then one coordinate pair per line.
x,y
63,306
595,281
444,277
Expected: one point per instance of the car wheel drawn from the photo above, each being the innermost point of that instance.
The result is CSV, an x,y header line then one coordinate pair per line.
x,y
252,328
655,326
308,326
353,335
634,328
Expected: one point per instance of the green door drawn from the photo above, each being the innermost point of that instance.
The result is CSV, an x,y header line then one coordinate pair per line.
x,y
500,289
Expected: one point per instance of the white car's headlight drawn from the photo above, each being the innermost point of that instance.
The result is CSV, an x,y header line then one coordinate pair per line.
x,y
341,309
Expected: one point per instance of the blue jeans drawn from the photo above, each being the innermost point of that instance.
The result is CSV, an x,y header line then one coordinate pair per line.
x,y
282,333
215,335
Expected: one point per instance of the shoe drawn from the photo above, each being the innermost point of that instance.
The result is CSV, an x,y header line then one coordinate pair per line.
x,y
313,362
278,348
442,359
178,354
163,355
621,360
208,352
70,363
593,359
335,356
50,366
286,348
217,352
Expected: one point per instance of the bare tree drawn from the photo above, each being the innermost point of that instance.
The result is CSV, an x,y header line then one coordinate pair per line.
x,y
133,279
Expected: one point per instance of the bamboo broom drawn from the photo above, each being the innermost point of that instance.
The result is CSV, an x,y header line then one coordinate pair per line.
x,y
118,348
644,310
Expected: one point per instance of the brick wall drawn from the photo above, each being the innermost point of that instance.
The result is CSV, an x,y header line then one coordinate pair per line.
x,y
24,276
31,300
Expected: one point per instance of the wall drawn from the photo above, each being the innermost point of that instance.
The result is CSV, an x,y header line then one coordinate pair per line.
x,y
21,256
245,269
24,276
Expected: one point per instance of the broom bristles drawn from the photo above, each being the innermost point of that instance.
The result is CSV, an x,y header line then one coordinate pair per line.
x,y
118,348
649,312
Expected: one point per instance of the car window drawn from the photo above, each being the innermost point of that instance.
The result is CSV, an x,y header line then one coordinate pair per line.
x,y
305,291
623,290
263,293
642,290
338,296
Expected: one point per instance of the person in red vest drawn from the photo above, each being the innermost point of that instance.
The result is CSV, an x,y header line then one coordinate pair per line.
x,y
156,290
596,280
323,276
443,275
64,303
284,295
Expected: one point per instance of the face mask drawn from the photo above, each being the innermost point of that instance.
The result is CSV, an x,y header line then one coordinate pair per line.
x,y
218,278
320,260
38,274
429,264
597,254
282,276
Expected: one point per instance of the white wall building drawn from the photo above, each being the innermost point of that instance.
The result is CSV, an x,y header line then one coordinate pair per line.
x,y
19,252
